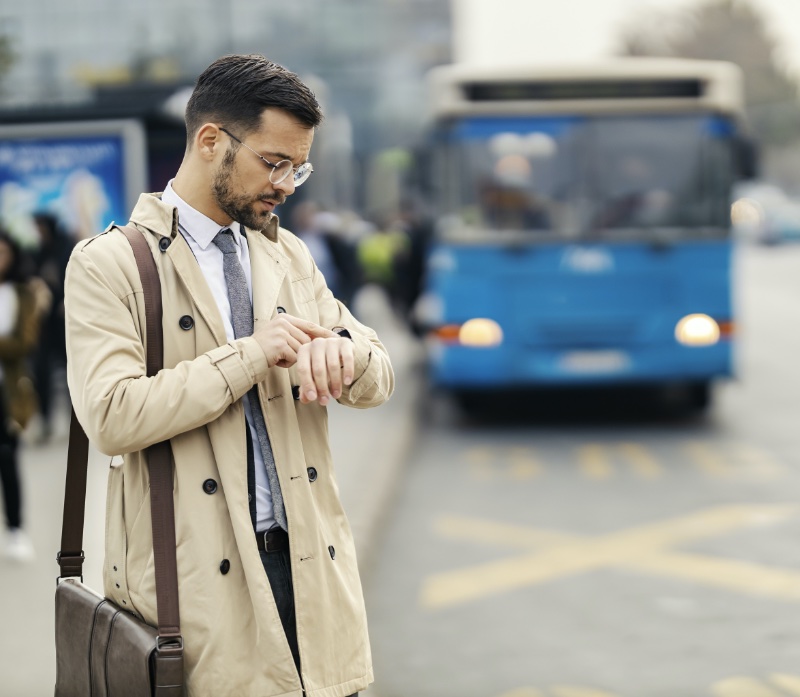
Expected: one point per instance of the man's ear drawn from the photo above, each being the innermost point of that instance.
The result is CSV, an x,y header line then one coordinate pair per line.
x,y
208,141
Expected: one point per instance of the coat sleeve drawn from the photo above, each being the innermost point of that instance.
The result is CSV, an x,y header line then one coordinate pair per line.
x,y
121,409
373,382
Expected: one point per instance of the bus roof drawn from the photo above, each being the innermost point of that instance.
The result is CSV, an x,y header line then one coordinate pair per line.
x,y
636,84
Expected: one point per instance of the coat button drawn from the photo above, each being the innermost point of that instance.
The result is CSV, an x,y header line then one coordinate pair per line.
x,y
186,322
280,310
210,486
164,243
295,392
312,474
332,552
225,567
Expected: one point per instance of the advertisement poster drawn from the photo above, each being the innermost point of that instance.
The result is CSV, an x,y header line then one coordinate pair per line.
x,y
81,173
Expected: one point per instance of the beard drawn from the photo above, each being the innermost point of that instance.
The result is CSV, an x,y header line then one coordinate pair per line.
x,y
240,207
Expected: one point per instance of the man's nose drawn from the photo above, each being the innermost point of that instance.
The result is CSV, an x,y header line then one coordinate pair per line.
x,y
286,186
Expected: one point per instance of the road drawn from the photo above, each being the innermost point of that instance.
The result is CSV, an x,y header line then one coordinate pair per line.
x,y
624,556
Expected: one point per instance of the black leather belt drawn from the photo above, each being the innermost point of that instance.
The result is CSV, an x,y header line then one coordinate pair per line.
x,y
274,540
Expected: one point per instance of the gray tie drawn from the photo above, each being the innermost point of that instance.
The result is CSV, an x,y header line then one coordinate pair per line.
x,y
242,318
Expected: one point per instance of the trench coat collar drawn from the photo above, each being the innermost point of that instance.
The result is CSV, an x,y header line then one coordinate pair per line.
x,y
269,264
151,212
197,225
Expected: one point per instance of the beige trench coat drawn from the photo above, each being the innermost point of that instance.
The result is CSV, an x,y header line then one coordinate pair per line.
x,y
234,642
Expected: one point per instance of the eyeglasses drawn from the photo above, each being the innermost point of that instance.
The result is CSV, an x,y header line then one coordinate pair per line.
x,y
280,170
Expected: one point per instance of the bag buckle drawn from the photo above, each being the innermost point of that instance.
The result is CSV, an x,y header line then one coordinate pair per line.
x,y
168,645
72,562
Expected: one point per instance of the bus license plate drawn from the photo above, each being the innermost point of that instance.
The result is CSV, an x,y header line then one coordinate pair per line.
x,y
594,361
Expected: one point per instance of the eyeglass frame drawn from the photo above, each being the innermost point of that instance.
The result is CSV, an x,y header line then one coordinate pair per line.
x,y
272,165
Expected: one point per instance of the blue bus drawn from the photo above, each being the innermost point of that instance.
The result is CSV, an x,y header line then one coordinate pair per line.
x,y
583,228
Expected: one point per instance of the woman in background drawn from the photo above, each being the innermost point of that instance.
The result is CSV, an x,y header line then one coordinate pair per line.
x,y
20,314
50,260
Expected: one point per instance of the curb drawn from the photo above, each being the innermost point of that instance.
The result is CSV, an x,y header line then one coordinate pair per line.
x,y
370,447
392,448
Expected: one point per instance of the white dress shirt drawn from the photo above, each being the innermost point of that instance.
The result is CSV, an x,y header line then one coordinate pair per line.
x,y
199,232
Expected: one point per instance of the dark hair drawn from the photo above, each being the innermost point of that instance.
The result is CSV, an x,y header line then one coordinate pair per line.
x,y
235,90
20,269
47,221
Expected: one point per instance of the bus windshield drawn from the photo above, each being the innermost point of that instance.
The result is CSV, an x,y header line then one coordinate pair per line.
x,y
588,177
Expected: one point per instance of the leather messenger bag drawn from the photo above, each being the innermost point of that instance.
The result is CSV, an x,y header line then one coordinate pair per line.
x,y
103,650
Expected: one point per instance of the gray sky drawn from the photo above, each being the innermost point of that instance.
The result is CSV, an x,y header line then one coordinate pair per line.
x,y
506,31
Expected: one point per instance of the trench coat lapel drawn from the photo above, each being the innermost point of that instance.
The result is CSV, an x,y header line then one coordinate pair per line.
x,y
196,286
269,267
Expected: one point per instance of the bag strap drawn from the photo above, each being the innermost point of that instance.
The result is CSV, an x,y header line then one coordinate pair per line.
x,y
169,668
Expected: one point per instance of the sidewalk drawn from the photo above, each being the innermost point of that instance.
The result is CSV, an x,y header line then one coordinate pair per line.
x,y
369,448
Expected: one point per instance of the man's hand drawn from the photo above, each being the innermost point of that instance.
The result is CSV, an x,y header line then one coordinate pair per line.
x,y
282,338
323,364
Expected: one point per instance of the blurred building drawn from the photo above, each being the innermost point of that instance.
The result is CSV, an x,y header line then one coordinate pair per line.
x,y
366,58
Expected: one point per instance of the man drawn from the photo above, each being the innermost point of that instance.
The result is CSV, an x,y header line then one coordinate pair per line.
x,y
270,597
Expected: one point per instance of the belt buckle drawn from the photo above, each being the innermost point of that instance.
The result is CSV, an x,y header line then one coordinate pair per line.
x,y
270,544
273,539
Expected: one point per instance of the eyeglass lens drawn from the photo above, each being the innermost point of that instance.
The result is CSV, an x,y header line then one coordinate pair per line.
x,y
284,168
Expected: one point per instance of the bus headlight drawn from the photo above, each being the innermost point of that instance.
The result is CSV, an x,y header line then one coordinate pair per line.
x,y
481,333
697,330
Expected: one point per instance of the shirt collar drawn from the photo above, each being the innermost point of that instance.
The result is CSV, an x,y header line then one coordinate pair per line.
x,y
195,224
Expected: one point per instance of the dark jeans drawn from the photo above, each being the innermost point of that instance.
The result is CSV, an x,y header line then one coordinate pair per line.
x,y
279,573
9,470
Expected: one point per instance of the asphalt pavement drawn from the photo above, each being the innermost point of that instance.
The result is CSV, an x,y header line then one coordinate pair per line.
x,y
369,448
607,552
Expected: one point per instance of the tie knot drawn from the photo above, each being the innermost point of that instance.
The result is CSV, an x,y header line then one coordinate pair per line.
x,y
224,240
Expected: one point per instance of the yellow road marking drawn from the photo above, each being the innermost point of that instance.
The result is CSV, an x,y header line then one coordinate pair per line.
x,y
761,463
524,464
790,684
489,532
456,587
738,686
481,472
709,523
571,691
558,691
707,458
730,574
551,555
480,460
479,454
594,462
743,687
642,460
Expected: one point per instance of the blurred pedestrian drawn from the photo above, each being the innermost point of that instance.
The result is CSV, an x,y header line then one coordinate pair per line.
x,y
50,259
270,595
409,262
333,254
378,254
20,312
